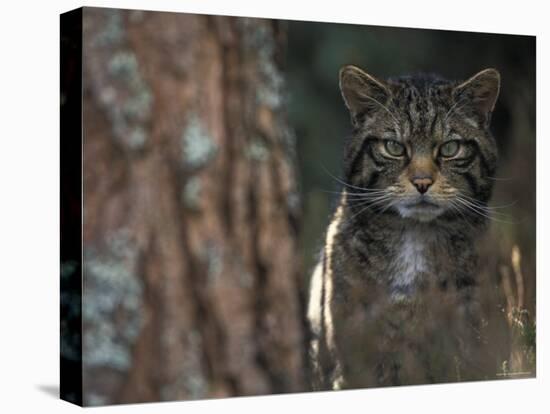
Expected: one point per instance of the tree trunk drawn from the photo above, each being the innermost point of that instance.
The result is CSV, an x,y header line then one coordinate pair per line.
x,y
191,283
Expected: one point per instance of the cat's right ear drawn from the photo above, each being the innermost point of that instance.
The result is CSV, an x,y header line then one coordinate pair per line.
x,y
362,93
479,94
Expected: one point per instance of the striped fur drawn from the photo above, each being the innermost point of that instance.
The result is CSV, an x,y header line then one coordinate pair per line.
x,y
392,300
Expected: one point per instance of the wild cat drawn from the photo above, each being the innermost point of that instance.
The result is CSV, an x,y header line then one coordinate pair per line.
x,y
393,296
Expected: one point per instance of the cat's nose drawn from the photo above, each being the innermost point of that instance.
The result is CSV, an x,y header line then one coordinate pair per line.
x,y
422,183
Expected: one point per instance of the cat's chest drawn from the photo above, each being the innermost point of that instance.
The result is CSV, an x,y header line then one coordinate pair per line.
x,y
416,256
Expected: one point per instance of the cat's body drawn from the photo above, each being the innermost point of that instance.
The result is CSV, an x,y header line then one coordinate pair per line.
x,y
392,300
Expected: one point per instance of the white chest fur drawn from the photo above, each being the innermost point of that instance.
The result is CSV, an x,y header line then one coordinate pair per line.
x,y
413,258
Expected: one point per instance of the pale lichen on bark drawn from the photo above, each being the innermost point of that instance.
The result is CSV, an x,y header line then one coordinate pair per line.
x,y
197,145
112,315
209,252
191,194
115,73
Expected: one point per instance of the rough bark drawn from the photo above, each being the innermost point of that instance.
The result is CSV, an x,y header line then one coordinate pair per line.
x,y
191,285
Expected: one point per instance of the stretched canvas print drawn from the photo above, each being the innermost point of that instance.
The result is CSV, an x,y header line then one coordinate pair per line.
x,y
254,206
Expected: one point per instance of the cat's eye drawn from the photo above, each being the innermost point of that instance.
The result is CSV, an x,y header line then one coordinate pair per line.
x,y
394,148
449,149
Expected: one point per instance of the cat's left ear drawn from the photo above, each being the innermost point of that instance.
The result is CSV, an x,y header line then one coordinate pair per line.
x,y
362,93
479,94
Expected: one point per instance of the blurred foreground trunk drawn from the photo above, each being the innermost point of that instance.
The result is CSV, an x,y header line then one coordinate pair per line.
x,y
191,287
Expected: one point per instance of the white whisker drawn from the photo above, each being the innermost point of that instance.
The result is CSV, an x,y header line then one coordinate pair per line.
x,y
344,183
478,209
386,109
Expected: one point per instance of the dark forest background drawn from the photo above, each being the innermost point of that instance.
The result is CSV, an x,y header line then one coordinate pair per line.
x,y
208,147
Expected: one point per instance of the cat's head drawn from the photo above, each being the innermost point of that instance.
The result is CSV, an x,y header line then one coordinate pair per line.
x,y
421,145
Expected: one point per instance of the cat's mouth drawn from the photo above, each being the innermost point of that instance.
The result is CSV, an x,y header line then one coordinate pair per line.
x,y
421,209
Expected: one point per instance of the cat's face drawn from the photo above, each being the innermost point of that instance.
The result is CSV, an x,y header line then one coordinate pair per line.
x,y
421,145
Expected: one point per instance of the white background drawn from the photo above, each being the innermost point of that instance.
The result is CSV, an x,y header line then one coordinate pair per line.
x,y
29,204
